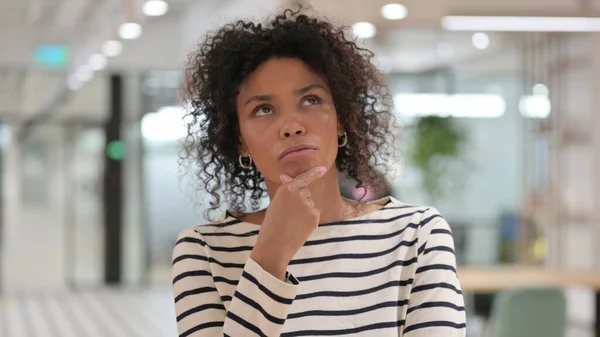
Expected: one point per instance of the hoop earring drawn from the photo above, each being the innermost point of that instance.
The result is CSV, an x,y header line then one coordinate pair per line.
x,y
244,166
343,139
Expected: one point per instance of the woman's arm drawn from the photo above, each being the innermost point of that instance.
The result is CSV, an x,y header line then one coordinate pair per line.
x,y
436,305
259,306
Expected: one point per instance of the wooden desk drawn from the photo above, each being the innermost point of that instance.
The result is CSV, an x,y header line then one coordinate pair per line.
x,y
497,278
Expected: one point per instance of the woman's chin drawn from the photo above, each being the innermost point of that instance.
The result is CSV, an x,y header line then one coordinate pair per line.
x,y
297,167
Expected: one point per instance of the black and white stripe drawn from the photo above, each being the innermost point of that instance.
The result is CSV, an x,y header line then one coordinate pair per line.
x,y
388,273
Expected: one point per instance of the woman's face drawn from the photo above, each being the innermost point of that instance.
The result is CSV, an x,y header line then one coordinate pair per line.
x,y
287,119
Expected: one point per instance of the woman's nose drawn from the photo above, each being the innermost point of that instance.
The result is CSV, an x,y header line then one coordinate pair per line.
x,y
291,129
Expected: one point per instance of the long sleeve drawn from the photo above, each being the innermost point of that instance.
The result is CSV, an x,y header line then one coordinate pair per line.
x,y
259,306
436,304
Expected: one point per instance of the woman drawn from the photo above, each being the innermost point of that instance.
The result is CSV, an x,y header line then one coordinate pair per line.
x,y
278,110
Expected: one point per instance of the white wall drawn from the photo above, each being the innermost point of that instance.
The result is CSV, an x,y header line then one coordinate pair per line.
x,y
34,217
491,185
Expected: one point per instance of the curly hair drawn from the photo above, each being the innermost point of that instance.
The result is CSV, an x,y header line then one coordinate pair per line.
x,y
226,57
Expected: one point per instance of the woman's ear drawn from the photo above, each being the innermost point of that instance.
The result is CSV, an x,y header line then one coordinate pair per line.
x,y
242,148
340,129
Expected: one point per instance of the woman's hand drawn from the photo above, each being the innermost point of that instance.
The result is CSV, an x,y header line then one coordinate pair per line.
x,y
289,221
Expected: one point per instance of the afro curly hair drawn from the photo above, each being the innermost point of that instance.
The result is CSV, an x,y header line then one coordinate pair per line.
x,y
227,56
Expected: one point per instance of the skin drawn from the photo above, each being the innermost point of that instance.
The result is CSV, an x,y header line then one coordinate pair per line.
x,y
285,103
281,104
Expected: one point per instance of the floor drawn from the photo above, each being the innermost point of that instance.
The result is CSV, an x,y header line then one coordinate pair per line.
x,y
93,313
118,313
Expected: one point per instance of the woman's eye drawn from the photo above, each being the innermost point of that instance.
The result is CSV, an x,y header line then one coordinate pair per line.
x,y
310,101
263,110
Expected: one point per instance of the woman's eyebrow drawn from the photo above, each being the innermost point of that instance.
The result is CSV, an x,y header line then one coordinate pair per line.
x,y
266,98
308,88
260,98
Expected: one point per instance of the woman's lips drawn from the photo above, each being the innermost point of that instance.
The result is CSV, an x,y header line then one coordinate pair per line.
x,y
297,151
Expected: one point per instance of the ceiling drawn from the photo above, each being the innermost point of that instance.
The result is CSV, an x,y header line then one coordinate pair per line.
x,y
412,44
84,24
81,25
427,13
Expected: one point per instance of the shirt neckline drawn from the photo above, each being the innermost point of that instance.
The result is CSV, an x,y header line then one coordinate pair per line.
x,y
383,202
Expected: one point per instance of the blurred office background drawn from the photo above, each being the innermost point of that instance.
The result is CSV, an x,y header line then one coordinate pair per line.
x,y
500,118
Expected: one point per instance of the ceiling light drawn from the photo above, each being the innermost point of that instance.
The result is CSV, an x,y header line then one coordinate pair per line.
x,y
165,125
84,73
540,90
364,30
98,61
444,105
535,106
130,31
394,11
112,48
155,8
480,41
74,83
521,24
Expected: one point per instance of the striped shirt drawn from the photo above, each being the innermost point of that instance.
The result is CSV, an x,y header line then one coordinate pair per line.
x,y
388,273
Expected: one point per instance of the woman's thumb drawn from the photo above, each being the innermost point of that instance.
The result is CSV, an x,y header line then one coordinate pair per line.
x,y
285,178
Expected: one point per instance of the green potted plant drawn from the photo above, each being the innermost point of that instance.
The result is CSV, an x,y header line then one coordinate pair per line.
x,y
437,153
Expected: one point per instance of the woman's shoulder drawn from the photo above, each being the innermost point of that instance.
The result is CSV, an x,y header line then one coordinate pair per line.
x,y
398,210
223,226
421,218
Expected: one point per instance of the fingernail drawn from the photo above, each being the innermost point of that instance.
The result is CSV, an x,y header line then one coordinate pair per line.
x,y
321,169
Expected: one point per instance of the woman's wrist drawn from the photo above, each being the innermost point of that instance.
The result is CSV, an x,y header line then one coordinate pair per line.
x,y
271,264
